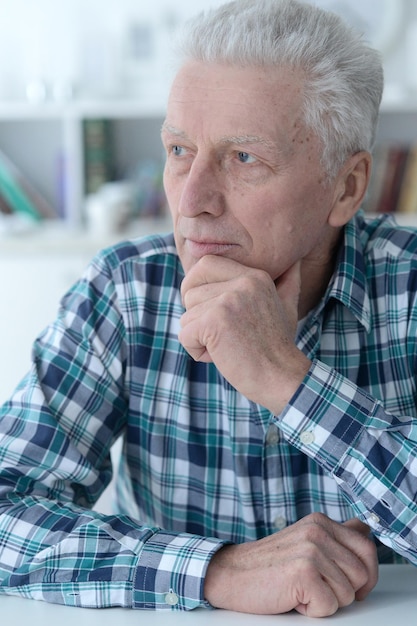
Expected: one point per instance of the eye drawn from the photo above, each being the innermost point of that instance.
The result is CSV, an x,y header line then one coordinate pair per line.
x,y
177,150
245,157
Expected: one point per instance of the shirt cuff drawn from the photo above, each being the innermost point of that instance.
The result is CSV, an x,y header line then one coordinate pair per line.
x,y
171,571
326,415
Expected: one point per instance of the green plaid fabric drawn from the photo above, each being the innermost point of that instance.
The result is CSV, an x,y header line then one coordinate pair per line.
x,y
202,465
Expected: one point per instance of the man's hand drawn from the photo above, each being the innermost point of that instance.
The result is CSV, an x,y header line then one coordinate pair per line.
x,y
240,320
314,566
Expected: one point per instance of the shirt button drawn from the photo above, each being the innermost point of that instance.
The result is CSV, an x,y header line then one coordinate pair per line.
x,y
307,437
171,598
280,522
272,436
374,518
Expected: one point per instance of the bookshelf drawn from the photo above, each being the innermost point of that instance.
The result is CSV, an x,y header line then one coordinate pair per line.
x,y
36,267
46,142
393,186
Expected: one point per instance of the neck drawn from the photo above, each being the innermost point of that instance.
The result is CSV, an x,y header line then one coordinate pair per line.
x,y
315,277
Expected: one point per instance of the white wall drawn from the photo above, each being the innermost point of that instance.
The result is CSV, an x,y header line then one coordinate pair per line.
x,y
81,41
85,42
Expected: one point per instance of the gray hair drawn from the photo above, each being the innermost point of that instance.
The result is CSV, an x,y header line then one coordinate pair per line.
x,y
343,76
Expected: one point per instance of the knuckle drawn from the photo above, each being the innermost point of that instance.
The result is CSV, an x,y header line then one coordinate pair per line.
x,y
247,283
315,531
317,518
346,596
311,552
308,569
231,305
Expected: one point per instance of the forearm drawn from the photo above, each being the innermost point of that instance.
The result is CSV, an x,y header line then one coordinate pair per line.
x,y
74,553
55,549
369,452
84,558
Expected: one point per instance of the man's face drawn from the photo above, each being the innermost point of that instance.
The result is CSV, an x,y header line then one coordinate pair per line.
x,y
243,176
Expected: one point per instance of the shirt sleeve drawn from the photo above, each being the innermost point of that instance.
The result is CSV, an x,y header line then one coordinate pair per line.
x,y
370,453
56,433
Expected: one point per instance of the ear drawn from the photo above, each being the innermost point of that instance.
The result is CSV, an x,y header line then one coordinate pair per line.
x,y
351,184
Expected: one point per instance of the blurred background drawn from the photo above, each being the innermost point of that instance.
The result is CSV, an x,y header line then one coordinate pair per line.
x,y
118,48
83,86
86,48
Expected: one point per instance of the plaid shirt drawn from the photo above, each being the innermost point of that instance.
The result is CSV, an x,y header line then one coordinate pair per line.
x,y
201,464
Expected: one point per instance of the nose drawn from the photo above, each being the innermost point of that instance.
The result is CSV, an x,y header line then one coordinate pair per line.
x,y
202,191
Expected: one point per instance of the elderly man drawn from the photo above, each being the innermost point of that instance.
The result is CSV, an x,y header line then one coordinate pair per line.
x,y
260,363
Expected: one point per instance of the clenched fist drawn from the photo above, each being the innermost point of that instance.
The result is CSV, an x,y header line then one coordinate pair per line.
x,y
239,319
314,567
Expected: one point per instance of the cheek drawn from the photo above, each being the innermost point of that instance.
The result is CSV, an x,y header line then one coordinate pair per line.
x,y
281,237
273,243
172,190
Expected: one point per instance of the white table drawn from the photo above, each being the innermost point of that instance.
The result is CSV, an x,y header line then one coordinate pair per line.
x,y
393,602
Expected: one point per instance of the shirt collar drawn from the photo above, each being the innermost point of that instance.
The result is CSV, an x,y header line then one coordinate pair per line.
x,y
349,285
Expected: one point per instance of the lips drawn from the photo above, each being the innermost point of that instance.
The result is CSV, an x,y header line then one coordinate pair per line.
x,y
199,248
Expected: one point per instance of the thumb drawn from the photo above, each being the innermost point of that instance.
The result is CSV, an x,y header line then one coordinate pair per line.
x,y
356,524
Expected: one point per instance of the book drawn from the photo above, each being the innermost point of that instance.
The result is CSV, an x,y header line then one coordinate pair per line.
x,y
407,202
392,179
19,195
386,184
379,165
98,154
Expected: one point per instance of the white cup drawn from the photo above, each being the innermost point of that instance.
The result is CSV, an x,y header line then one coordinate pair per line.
x,y
109,208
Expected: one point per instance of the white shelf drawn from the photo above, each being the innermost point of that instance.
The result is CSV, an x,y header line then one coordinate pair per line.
x,y
135,108
53,132
55,237
111,109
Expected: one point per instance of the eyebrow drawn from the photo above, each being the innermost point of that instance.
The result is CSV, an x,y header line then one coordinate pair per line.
x,y
173,131
249,139
234,139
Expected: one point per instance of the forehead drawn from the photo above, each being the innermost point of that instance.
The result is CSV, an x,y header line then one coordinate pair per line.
x,y
225,99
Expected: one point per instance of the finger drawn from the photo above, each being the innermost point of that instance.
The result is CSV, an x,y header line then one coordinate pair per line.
x,y
210,269
320,602
340,570
349,549
193,296
324,589
359,540
196,334
356,524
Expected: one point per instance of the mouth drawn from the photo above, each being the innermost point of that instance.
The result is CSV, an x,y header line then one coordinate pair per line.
x,y
198,249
